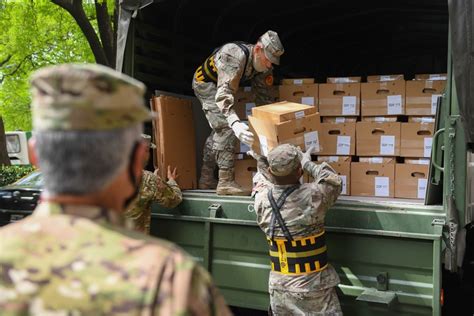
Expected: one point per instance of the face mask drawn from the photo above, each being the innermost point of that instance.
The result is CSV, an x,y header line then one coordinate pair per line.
x,y
258,64
136,184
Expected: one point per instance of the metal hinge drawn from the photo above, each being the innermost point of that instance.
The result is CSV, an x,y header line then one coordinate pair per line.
x,y
214,210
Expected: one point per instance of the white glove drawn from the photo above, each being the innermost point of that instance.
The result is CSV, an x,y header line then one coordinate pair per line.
x,y
307,156
242,132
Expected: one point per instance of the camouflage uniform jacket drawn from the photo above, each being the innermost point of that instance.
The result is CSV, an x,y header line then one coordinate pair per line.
x,y
230,62
152,189
303,212
79,260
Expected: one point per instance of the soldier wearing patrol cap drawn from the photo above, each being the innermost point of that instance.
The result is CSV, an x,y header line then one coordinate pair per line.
x,y
153,189
73,256
291,215
215,83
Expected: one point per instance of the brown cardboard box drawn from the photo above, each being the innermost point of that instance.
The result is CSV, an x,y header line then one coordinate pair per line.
x,y
384,160
244,172
343,169
301,132
304,94
339,99
244,94
417,161
383,98
337,139
431,77
411,181
338,119
378,139
422,96
383,78
297,81
343,79
282,111
416,139
372,179
421,119
175,138
380,119
334,158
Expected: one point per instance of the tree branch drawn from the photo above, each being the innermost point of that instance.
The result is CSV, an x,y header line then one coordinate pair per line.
x,y
3,62
105,30
16,69
74,7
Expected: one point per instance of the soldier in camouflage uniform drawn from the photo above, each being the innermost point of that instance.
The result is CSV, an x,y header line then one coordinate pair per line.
x,y
215,83
153,189
291,215
73,256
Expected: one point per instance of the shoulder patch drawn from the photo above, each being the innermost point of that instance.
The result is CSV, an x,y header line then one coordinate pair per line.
x,y
269,80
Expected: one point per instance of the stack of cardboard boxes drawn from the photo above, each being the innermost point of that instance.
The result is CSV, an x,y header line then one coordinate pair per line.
x,y
377,134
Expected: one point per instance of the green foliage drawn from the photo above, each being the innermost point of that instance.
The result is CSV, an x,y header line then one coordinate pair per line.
x,y
9,174
34,34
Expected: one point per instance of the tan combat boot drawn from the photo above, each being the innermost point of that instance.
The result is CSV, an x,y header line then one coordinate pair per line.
x,y
227,185
207,180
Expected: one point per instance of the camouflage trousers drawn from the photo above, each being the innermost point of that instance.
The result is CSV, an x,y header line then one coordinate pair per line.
x,y
219,146
324,302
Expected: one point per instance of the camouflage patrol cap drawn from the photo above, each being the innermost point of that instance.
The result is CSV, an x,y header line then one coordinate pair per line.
x,y
284,159
147,138
272,46
86,97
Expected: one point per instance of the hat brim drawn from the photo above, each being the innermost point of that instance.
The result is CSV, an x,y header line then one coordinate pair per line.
x,y
274,59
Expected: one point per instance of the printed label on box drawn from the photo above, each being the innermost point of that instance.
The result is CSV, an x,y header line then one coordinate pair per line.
x,y
263,145
437,77
349,105
376,160
379,119
248,108
382,186
434,103
422,183
344,187
333,158
387,145
427,120
394,104
299,114
428,143
340,119
343,145
385,78
248,89
298,81
239,156
307,100
311,139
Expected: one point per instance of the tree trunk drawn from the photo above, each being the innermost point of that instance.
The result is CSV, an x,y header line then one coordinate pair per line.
x,y
4,159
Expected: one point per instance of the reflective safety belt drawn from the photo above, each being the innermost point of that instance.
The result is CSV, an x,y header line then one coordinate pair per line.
x,y
294,255
299,256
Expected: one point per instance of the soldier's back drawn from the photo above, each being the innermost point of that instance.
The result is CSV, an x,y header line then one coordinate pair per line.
x,y
69,265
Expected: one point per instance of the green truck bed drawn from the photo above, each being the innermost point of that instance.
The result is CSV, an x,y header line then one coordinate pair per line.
x,y
387,252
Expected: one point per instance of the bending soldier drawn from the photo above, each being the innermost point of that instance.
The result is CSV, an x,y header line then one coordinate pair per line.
x,y
215,83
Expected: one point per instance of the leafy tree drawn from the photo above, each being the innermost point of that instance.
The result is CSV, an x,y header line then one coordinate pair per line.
x,y
102,41
34,34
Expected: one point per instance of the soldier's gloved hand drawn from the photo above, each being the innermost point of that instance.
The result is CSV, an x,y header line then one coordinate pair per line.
x,y
242,132
306,157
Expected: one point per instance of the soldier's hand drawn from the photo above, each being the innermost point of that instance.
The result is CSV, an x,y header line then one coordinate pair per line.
x,y
156,172
172,175
242,132
306,157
